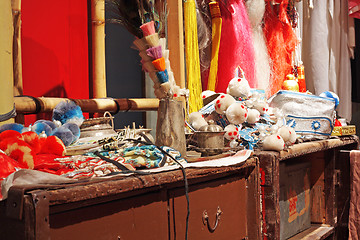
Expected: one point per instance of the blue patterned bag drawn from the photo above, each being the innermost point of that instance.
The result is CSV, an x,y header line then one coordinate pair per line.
x,y
308,114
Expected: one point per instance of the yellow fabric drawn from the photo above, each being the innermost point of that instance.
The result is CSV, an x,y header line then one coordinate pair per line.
x,y
193,75
216,34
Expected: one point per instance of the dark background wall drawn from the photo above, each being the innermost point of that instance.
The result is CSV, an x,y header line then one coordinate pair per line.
x,y
123,72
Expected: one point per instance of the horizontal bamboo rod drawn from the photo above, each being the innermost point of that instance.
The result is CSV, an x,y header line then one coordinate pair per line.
x,y
30,105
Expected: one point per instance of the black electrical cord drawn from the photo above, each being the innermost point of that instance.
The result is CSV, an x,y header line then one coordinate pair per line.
x,y
185,180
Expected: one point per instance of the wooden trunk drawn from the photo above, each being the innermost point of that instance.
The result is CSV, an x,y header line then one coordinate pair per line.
x,y
294,199
138,207
328,186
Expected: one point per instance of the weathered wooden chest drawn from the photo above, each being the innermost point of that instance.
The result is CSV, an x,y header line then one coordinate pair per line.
x,y
224,204
328,186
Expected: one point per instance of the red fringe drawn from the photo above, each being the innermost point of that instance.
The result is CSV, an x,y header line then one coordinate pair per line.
x,y
281,43
236,45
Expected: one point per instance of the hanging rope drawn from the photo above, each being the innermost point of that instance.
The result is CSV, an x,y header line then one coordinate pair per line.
x,y
192,56
8,115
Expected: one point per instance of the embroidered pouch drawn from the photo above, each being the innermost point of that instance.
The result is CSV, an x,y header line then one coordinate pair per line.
x,y
308,114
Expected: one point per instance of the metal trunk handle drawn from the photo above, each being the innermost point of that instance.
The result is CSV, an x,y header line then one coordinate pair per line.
x,y
205,219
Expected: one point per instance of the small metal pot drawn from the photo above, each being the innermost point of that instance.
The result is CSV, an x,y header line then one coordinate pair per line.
x,y
96,127
210,139
210,136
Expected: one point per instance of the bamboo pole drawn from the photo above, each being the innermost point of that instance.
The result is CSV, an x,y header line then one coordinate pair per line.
x,y
98,49
47,104
17,64
175,37
6,62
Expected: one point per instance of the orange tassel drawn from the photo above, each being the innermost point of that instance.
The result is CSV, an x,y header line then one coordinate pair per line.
x,y
159,64
301,78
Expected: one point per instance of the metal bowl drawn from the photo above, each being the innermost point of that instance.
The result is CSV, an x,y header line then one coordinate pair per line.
x,y
206,139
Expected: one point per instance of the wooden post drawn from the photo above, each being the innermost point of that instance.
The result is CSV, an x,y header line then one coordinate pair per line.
x,y
175,35
98,49
17,63
6,59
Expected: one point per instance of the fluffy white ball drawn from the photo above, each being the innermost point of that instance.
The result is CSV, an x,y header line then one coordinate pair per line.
x,y
253,116
207,93
196,120
274,142
231,132
236,113
288,134
261,106
238,87
222,102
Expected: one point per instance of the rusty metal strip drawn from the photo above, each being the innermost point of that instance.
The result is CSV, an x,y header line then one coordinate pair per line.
x,y
15,202
41,205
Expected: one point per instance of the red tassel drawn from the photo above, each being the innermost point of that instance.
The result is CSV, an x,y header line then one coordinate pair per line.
x,y
281,42
236,45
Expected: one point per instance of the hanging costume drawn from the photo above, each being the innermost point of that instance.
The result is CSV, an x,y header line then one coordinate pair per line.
x,y
326,51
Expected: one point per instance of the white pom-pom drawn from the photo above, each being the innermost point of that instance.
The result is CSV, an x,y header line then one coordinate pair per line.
x,y
207,93
196,120
261,106
288,134
238,87
222,102
236,113
231,132
253,116
284,133
273,142
233,144
293,136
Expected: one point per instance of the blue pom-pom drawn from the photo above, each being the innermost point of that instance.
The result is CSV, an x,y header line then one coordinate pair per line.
x,y
163,76
68,111
50,123
329,94
41,127
64,134
74,129
11,126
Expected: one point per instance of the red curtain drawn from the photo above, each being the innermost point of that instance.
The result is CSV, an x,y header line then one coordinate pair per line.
x,y
55,56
